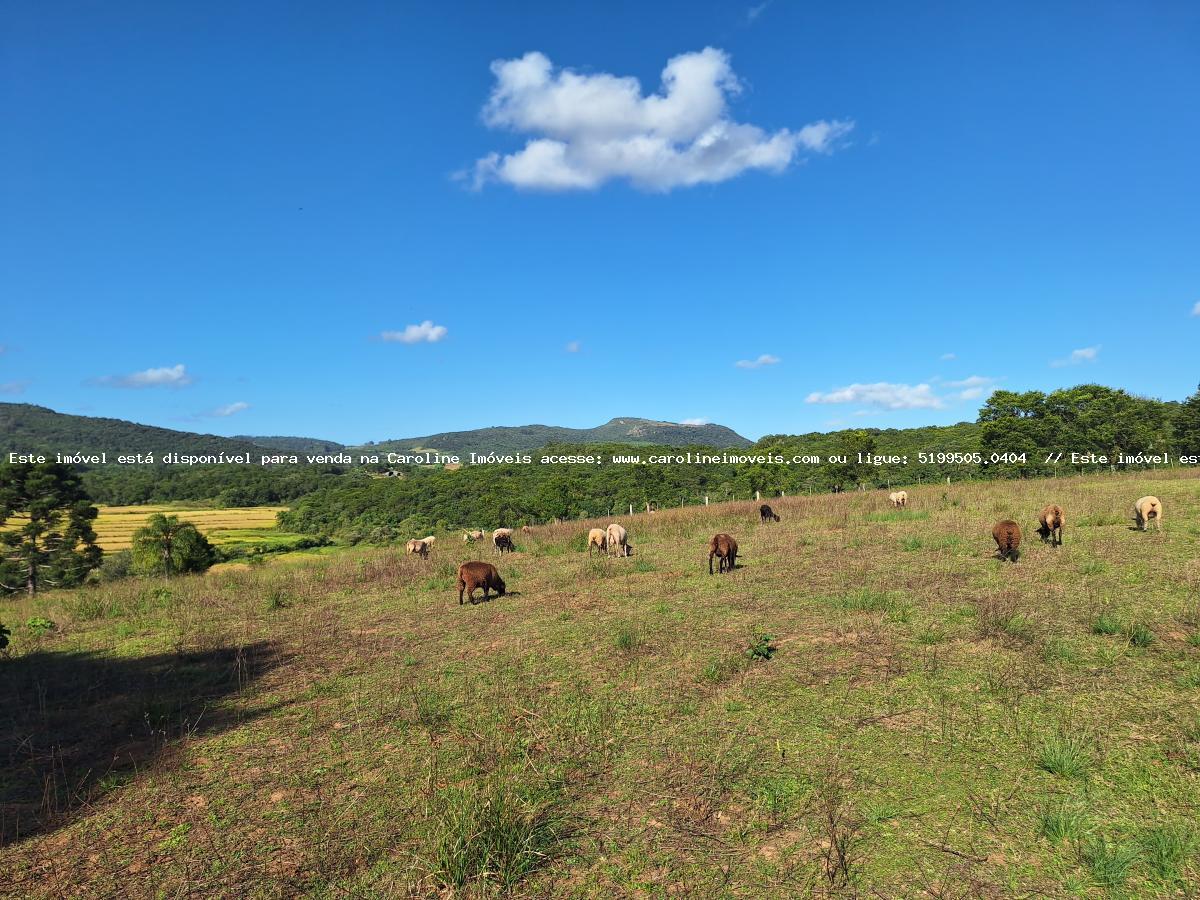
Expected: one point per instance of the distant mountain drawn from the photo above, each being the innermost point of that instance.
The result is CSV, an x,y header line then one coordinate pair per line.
x,y
292,444
505,439
25,428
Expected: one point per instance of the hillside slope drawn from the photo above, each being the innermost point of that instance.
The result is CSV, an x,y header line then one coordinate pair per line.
x,y
28,428
867,679
505,438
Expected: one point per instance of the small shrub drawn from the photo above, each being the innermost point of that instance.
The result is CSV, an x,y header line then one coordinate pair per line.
x,y
116,566
1166,848
39,625
1106,623
777,796
911,544
761,647
1110,862
4,636
1065,755
1139,635
1060,822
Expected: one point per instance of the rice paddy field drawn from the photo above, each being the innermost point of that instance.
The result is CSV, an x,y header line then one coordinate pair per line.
x,y
248,525
870,705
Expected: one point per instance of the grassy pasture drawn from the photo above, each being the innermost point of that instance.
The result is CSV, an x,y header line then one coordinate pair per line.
x,y
250,525
870,705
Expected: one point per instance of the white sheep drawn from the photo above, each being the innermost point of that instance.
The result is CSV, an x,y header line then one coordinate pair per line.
x,y
1147,508
899,499
618,540
597,538
419,546
472,536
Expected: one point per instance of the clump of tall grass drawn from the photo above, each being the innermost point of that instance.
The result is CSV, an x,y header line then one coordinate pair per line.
x,y
490,835
1109,862
1062,821
1064,754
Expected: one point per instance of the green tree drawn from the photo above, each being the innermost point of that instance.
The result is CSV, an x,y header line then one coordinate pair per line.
x,y
1187,425
166,546
850,445
49,539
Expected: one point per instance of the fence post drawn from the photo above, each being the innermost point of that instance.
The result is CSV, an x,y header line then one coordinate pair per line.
x,y
706,499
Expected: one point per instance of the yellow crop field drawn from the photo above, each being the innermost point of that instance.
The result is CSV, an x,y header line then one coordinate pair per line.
x,y
116,524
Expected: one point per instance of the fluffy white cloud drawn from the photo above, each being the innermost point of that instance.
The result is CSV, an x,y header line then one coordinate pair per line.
x,y
425,333
882,394
167,376
765,360
1083,355
1196,309
229,409
586,129
694,422
573,346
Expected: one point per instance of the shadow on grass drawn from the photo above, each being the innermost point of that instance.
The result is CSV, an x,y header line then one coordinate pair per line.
x,y
75,725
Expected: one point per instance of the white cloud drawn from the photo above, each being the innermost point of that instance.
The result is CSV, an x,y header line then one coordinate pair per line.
x,y
765,360
13,387
882,394
573,346
694,422
1084,355
949,357
586,129
167,376
973,387
1196,309
230,409
426,332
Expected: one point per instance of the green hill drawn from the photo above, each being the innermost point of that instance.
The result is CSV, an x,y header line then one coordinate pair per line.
x,y
503,439
26,428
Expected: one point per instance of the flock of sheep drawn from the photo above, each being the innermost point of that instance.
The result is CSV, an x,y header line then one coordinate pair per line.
x,y
614,540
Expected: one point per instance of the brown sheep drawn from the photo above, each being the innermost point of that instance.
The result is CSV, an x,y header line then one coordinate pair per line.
x,y
1148,508
472,575
766,514
597,538
1007,535
525,529
1050,525
725,548
503,542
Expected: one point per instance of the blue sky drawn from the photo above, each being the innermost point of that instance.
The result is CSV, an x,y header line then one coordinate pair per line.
x,y
226,217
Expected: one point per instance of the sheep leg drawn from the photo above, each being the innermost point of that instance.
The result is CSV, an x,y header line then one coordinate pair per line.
x,y
461,587
710,571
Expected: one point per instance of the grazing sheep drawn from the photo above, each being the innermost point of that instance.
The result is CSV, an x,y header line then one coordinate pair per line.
x,y
597,538
525,529
499,531
419,546
1050,525
503,542
618,540
1147,508
1007,535
899,499
766,514
725,548
473,575
472,536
